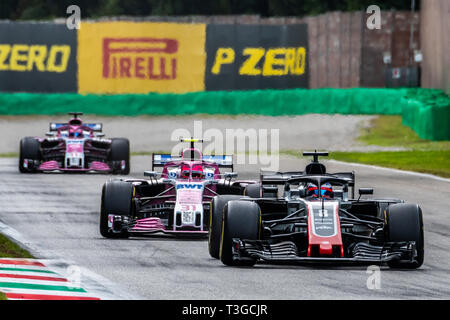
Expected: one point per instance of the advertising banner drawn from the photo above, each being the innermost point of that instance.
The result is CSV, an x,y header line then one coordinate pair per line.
x,y
256,57
128,57
37,57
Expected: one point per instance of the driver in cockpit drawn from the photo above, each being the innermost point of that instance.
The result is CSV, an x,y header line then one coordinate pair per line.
x,y
326,191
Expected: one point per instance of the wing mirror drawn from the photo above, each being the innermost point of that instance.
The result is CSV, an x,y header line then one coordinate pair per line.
x,y
99,134
150,174
363,191
50,134
230,175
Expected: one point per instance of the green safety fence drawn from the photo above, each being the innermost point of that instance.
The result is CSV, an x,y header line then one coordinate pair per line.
x,y
425,110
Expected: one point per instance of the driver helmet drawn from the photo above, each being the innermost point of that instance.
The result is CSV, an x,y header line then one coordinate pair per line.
x,y
197,172
185,171
75,133
326,190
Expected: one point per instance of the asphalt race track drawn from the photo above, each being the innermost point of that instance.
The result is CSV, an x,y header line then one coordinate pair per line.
x,y
305,132
59,215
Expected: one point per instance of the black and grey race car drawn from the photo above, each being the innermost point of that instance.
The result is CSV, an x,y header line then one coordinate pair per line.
x,y
312,216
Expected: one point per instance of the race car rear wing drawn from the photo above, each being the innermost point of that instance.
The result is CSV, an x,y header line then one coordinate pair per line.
x,y
96,127
280,178
223,161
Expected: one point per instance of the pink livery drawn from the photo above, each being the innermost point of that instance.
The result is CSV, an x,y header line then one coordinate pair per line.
x,y
175,201
74,147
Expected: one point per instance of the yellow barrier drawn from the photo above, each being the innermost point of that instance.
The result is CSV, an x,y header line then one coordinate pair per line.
x,y
128,57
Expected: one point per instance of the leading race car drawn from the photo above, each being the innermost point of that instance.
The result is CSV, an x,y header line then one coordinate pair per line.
x,y
177,202
74,147
315,221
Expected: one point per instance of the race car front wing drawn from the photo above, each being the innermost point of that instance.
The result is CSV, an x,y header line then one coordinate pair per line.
x,y
286,252
147,226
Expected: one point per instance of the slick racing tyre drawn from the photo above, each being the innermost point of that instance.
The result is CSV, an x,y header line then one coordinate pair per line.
x,y
120,151
242,219
29,149
405,223
116,199
215,222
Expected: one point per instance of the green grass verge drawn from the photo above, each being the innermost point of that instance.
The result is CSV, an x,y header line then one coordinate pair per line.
x,y
422,155
9,249
9,155
388,131
433,162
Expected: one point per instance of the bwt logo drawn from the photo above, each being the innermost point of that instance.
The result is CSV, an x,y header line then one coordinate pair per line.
x,y
189,186
142,58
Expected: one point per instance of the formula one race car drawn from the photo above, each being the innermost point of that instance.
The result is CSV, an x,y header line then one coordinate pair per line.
x,y
176,203
74,147
315,221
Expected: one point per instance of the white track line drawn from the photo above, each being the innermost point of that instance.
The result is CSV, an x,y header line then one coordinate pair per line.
x,y
94,284
48,292
40,282
417,174
30,273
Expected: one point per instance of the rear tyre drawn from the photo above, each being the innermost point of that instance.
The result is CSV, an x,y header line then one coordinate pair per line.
x,y
215,222
116,199
253,190
120,151
242,219
29,149
405,223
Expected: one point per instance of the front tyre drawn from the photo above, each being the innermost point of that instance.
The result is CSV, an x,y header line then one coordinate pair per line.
x,y
29,149
242,219
120,151
215,222
116,199
405,223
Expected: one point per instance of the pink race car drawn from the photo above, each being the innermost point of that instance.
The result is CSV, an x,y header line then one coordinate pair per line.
x,y
177,202
74,147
